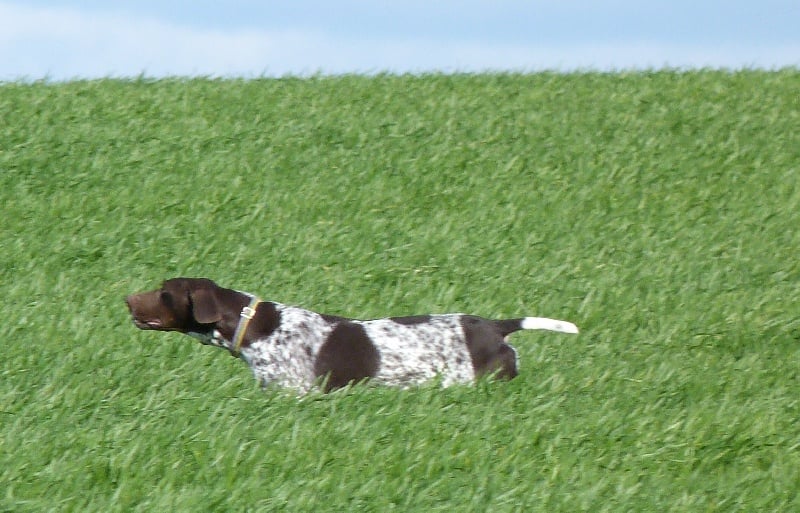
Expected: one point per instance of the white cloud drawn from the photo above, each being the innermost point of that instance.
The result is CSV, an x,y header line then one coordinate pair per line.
x,y
62,43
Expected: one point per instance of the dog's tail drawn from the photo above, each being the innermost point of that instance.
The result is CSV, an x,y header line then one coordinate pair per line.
x,y
509,326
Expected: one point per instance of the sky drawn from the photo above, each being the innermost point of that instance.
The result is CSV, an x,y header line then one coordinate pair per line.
x,y
64,40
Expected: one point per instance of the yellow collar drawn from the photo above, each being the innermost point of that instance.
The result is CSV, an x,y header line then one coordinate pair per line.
x,y
244,320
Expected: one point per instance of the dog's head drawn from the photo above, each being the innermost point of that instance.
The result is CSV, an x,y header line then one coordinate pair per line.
x,y
181,304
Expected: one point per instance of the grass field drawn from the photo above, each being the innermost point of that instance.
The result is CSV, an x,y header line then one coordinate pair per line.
x,y
659,211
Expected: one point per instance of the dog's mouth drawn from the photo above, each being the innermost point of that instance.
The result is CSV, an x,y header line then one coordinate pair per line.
x,y
150,324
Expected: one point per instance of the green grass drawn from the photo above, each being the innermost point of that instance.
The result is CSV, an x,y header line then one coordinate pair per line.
x,y
658,211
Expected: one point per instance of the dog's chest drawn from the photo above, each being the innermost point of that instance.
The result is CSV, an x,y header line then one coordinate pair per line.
x,y
286,357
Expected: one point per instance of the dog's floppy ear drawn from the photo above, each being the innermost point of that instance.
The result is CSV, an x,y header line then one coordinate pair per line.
x,y
204,305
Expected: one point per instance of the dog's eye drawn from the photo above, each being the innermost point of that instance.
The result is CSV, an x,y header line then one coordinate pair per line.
x,y
166,297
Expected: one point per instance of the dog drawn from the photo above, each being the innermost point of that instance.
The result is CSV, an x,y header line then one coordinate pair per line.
x,y
299,349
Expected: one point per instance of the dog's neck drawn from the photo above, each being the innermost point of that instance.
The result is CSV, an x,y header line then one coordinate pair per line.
x,y
233,304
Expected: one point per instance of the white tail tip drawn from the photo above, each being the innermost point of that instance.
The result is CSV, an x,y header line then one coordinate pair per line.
x,y
543,323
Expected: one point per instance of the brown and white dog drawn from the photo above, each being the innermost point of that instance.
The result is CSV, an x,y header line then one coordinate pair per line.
x,y
298,348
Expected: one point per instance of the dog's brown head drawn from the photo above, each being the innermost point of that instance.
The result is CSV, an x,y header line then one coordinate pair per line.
x,y
181,304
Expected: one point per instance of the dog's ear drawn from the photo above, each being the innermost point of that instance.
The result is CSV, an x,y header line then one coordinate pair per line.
x,y
204,305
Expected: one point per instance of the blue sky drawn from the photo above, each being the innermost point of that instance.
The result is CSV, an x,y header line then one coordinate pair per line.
x,y
63,39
